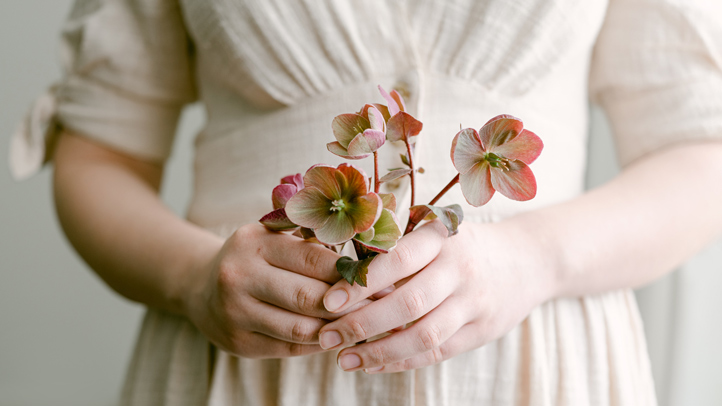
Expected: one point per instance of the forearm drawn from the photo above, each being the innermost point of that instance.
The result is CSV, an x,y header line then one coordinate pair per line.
x,y
109,208
644,223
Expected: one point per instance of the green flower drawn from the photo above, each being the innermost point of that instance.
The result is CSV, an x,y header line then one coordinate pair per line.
x,y
358,135
335,203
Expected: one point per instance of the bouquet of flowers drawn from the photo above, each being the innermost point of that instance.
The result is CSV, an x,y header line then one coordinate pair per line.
x,y
334,205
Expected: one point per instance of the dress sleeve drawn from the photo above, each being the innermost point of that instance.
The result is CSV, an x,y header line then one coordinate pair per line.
x,y
657,72
127,74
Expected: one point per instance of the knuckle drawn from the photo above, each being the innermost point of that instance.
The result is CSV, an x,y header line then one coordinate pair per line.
x,y
295,349
401,255
312,259
430,338
357,329
301,332
305,299
413,303
377,356
437,355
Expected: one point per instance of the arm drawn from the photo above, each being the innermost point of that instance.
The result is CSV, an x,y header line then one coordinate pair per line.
x,y
257,294
472,288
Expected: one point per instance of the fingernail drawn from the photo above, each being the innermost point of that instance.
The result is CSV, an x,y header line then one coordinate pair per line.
x,y
374,369
330,339
349,361
335,300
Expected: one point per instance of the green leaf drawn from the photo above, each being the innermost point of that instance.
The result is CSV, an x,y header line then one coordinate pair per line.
x,y
450,216
354,271
405,159
386,231
393,175
277,221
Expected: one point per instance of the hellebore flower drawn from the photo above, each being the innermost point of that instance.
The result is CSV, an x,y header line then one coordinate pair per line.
x,y
277,219
358,134
496,159
335,203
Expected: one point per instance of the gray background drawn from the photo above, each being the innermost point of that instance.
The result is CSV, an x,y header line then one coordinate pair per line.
x,y
65,338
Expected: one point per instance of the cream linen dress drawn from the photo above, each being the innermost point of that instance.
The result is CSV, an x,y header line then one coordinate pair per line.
x,y
272,74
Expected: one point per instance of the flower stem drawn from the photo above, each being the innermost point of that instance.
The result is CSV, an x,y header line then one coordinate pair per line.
x,y
445,189
413,222
413,172
376,172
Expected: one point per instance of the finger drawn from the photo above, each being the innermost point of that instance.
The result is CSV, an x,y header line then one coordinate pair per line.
x,y
284,325
412,253
410,302
427,335
464,340
302,257
296,293
261,346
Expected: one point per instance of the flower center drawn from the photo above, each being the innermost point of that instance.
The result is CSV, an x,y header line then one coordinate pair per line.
x,y
338,205
497,161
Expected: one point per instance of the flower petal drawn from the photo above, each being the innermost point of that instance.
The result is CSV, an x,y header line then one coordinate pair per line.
x,y
346,126
466,150
281,194
517,183
323,178
525,147
476,184
403,126
375,117
364,211
354,181
499,130
336,230
387,227
395,101
296,179
337,149
309,208
375,138
389,201
359,146
366,143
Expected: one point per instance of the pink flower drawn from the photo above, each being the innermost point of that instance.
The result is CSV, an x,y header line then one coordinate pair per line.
x,y
277,219
496,159
358,134
335,203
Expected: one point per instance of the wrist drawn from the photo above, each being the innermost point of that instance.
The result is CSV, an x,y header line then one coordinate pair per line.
x,y
532,253
193,274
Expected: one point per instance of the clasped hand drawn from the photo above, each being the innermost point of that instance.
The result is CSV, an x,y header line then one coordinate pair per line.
x,y
270,296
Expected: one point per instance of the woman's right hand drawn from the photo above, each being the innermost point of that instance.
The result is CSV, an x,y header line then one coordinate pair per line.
x,y
261,296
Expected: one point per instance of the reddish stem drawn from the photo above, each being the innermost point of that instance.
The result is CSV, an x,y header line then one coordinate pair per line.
x,y
376,172
412,223
445,189
412,174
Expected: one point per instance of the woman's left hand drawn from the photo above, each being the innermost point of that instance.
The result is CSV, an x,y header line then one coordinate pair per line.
x,y
459,292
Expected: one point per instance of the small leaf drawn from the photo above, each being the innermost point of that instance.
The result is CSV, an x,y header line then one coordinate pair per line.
x,y
277,221
421,170
393,175
403,126
450,216
354,271
405,159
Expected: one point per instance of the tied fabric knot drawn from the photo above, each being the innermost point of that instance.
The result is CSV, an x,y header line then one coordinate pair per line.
x,y
33,142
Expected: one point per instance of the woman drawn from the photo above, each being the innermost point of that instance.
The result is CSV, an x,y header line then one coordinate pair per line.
x,y
528,304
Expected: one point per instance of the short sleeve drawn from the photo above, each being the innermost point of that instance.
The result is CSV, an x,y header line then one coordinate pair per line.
x,y
657,73
127,74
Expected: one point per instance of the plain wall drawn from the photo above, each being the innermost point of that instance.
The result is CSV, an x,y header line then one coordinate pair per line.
x,y
65,337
